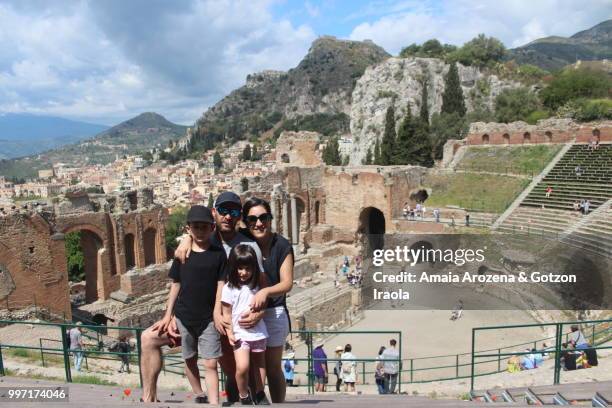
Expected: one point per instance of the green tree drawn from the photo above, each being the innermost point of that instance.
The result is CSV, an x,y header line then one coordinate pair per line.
x,y
480,51
573,84
331,153
377,160
211,201
387,147
424,111
345,160
217,161
432,49
409,51
255,154
74,256
244,184
515,104
413,145
445,126
246,153
368,158
174,227
452,98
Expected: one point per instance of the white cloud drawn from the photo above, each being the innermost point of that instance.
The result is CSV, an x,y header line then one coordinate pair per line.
x,y
107,61
514,22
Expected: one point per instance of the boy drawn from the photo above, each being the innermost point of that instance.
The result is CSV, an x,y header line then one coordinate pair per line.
x,y
194,295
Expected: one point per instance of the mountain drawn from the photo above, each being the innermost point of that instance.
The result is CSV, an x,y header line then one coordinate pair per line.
x,y
24,134
555,52
136,135
316,92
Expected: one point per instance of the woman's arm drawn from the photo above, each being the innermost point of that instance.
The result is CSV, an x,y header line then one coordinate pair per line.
x,y
284,285
220,324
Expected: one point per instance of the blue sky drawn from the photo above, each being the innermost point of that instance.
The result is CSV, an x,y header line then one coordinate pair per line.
x,y
107,61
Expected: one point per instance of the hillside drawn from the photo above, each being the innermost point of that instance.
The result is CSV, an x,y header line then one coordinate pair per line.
x,y
136,135
24,134
321,84
555,52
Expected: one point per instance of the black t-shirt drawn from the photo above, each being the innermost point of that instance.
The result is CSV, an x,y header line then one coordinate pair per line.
x,y
279,249
199,276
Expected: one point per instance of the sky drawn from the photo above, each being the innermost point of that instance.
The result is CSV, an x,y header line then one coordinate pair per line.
x,y
105,61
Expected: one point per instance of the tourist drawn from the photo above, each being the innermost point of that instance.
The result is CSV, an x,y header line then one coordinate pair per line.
x,y
527,361
244,280
76,345
587,205
452,222
196,285
288,363
578,171
514,364
538,358
457,311
391,365
379,372
467,219
278,267
320,367
436,213
577,206
227,211
411,214
548,191
405,210
423,211
338,367
577,339
349,369
568,357
418,210
124,347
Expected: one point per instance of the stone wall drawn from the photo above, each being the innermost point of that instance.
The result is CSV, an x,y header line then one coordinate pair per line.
x,y
545,131
153,278
328,313
298,149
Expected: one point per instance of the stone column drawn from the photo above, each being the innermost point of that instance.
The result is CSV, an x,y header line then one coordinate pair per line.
x,y
294,221
274,208
285,216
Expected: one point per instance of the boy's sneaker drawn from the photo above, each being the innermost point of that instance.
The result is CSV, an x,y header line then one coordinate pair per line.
x,y
201,399
246,400
261,399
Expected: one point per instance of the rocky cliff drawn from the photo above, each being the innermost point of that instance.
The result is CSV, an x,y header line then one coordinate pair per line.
x,y
398,82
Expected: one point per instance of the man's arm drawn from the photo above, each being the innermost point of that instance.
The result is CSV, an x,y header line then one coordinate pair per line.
x,y
162,325
184,249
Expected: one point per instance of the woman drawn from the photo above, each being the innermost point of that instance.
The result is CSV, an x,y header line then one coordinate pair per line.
x,y
338,367
349,369
278,265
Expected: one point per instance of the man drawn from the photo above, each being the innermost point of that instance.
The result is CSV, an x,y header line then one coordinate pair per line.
x,y
226,214
320,367
390,367
76,345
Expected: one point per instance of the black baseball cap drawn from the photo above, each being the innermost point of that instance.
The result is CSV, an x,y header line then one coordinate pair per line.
x,y
199,213
227,197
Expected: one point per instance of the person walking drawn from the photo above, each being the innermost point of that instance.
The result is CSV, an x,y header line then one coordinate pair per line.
x,y
124,347
289,368
320,367
390,367
76,345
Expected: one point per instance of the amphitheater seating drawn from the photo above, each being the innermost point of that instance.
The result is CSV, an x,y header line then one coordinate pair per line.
x,y
596,234
597,394
594,182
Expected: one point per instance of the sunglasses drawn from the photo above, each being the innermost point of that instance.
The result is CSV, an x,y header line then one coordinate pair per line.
x,y
252,219
233,212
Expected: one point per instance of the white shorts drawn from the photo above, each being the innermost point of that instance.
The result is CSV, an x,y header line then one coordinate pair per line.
x,y
277,323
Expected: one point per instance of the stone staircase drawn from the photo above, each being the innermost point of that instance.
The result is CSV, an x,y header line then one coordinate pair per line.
x,y
554,217
595,394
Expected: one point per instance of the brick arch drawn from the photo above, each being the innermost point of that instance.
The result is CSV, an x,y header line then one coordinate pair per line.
x,y
149,238
98,259
372,224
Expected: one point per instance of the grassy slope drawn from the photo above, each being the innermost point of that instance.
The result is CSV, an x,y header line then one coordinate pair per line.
x,y
527,160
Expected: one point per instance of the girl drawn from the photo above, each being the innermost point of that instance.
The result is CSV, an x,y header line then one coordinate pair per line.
x,y
238,297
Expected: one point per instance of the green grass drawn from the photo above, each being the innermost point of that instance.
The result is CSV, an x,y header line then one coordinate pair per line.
x,y
91,379
476,192
527,160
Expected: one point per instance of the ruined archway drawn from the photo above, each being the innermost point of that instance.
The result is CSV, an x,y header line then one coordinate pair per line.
x,y
596,133
506,138
149,238
300,217
372,226
485,138
419,196
130,258
526,137
91,245
316,211
285,158
549,136
423,246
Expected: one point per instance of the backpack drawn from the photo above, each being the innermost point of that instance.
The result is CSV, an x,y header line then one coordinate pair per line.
x,y
288,366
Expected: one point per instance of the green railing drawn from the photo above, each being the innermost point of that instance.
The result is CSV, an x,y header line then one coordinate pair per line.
x,y
598,337
411,370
